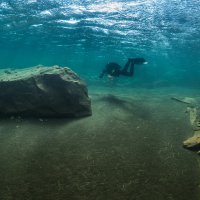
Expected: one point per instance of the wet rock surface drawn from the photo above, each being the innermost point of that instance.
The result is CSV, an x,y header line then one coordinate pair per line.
x,y
43,92
192,143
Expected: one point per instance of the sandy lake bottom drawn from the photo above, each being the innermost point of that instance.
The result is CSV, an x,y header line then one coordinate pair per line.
x,y
129,149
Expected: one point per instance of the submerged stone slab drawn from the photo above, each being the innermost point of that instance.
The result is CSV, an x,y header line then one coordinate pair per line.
x,y
43,92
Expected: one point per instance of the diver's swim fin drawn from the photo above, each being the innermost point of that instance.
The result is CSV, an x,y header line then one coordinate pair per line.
x,y
139,61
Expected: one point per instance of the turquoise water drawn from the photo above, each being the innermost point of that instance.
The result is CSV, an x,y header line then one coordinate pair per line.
x,y
85,35
131,147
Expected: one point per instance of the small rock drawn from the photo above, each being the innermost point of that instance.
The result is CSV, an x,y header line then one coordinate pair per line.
x,y
7,72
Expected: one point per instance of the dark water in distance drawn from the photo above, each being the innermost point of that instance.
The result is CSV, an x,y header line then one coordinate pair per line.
x,y
85,35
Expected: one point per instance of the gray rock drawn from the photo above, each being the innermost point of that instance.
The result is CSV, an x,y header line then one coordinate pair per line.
x,y
43,92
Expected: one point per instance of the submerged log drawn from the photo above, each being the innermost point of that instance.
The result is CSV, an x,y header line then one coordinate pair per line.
x,y
43,92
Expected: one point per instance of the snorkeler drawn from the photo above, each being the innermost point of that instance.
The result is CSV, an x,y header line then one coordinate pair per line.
x,y
114,69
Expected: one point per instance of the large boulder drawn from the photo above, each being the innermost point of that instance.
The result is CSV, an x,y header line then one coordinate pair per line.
x,y
43,92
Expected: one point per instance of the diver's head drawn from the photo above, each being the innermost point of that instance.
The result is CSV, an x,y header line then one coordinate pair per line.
x,y
140,61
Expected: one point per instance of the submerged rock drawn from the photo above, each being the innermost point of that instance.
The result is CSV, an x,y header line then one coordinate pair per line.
x,y
193,143
43,92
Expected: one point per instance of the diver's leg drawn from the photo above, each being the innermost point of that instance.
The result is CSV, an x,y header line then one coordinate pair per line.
x,y
125,71
131,73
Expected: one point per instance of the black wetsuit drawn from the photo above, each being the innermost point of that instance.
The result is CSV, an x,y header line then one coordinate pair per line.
x,y
113,69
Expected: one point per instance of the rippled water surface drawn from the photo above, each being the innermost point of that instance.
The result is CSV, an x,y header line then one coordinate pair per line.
x,y
86,34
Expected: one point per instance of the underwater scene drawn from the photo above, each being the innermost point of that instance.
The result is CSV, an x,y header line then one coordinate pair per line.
x,y
99,99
